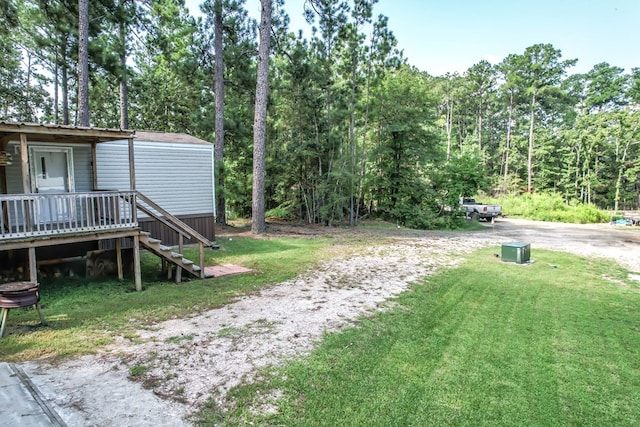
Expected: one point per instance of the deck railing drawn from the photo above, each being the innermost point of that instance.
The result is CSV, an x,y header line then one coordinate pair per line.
x,y
35,215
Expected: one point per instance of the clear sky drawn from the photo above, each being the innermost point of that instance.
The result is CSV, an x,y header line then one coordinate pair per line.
x,y
440,36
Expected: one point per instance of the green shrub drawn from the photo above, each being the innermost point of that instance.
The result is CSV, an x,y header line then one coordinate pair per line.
x,y
550,207
284,211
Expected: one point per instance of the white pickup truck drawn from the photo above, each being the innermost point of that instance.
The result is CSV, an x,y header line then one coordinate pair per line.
x,y
476,210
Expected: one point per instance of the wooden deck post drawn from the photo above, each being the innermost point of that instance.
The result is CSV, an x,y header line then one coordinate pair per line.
x,y
137,275
33,267
3,182
94,165
201,247
132,167
24,162
181,250
26,181
119,259
136,239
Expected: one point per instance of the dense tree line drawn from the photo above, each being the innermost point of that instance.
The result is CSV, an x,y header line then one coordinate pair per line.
x,y
352,131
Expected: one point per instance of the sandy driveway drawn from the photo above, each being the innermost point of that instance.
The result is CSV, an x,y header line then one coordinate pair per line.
x,y
188,360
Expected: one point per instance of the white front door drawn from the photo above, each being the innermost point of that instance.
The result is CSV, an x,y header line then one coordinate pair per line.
x,y
52,172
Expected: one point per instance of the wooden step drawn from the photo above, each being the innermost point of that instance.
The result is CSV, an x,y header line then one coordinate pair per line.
x,y
167,252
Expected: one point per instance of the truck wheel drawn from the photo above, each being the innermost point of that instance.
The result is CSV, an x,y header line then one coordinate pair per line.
x,y
475,216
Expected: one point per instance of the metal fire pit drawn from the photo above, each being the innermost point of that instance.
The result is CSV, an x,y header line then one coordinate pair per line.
x,y
19,294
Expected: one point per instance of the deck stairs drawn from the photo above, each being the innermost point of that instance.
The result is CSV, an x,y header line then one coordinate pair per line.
x,y
169,256
172,258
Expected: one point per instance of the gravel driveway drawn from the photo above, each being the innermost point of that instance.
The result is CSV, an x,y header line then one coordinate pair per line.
x,y
188,360
621,243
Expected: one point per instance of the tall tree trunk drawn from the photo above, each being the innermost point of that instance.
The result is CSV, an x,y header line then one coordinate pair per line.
x,y
596,172
65,89
449,126
363,156
258,224
461,133
621,163
352,143
221,217
530,154
480,126
56,89
83,63
577,174
124,89
27,105
507,146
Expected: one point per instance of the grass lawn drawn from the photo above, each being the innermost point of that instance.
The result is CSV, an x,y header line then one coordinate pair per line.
x,y
553,343
85,315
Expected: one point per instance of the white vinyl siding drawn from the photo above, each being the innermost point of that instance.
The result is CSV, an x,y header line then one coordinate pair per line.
x,y
177,176
82,168
14,171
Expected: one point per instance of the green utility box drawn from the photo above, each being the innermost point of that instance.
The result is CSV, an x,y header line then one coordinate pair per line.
x,y
518,252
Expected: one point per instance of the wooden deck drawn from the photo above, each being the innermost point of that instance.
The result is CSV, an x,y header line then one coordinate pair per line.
x,y
29,221
34,217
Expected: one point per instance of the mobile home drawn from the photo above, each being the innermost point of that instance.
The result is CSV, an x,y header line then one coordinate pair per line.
x,y
84,188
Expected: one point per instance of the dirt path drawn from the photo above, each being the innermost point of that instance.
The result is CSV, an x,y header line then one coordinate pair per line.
x,y
188,360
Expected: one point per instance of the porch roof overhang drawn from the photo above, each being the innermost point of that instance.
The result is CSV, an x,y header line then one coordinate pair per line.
x,y
11,131
51,133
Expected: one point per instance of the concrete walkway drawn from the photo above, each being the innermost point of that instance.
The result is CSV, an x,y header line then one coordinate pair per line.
x,y
21,403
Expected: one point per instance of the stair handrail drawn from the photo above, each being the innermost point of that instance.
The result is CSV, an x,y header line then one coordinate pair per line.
x,y
166,222
155,216
177,225
169,220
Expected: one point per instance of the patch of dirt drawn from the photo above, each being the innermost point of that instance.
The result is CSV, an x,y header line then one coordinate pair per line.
x,y
182,362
